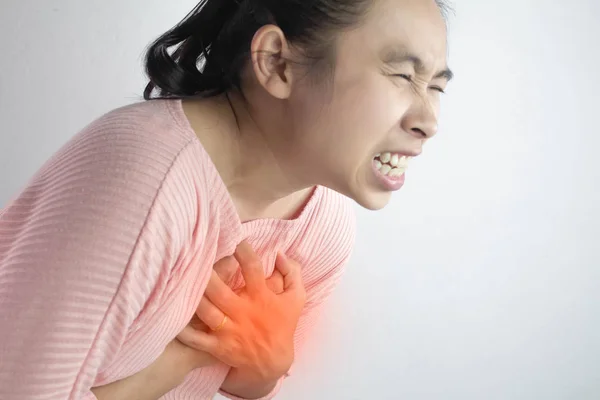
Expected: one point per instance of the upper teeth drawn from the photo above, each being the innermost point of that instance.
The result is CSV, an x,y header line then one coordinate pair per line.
x,y
395,160
391,164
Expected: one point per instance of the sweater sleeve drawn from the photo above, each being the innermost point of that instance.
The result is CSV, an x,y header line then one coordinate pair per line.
x,y
82,249
323,272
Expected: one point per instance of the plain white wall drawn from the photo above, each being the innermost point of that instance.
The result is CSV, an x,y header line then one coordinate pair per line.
x,y
481,279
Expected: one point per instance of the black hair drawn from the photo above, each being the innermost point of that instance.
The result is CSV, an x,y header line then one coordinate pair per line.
x,y
204,54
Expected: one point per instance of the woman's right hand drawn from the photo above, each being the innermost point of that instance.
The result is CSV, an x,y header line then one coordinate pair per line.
x,y
225,270
258,322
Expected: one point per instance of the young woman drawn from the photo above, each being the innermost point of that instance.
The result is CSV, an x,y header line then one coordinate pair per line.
x,y
183,245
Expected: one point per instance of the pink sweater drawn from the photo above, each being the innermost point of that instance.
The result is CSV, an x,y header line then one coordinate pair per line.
x,y
106,253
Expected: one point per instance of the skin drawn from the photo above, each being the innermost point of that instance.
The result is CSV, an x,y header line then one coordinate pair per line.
x,y
257,337
289,131
183,354
293,132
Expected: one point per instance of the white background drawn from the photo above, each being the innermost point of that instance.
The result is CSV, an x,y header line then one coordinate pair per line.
x,y
480,281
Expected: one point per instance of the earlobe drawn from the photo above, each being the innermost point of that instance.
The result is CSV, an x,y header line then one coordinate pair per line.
x,y
270,61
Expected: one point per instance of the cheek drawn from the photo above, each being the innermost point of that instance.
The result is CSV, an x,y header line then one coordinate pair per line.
x,y
345,124
372,109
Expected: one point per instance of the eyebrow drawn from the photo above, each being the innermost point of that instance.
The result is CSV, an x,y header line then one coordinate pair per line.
x,y
401,57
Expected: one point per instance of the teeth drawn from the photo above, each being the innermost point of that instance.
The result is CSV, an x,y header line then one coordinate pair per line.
x,y
392,165
396,172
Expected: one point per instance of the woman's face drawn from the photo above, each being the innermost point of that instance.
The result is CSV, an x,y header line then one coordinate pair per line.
x,y
381,106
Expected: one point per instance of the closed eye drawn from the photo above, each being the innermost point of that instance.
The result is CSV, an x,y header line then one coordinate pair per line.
x,y
410,79
404,76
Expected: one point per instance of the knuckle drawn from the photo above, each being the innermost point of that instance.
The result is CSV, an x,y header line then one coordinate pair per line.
x,y
231,348
279,287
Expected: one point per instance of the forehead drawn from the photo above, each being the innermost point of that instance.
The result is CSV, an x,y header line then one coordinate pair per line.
x,y
413,26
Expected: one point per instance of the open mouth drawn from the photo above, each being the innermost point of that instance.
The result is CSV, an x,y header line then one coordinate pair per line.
x,y
392,165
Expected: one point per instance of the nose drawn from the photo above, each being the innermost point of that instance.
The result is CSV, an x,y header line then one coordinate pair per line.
x,y
421,119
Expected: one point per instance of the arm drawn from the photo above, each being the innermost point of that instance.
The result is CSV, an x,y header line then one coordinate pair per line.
x,y
82,249
149,384
166,373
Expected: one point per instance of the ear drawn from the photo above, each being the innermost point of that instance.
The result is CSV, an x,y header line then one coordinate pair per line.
x,y
270,61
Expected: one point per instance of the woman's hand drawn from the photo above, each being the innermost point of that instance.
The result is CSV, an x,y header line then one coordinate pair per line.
x,y
182,355
252,330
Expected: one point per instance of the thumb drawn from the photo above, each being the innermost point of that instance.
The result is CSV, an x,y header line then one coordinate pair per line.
x,y
292,278
226,268
275,282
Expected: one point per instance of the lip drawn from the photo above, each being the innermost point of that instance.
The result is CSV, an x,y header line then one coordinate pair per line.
x,y
408,153
390,184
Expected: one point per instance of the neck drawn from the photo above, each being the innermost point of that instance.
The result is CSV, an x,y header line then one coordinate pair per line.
x,y
259,182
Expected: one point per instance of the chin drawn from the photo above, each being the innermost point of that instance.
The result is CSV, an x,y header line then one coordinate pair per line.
x,y
372,200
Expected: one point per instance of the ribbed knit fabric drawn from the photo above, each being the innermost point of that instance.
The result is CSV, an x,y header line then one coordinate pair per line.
x,y
105,255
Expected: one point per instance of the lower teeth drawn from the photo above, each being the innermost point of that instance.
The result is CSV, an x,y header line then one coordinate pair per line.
x,y
388,170
395,172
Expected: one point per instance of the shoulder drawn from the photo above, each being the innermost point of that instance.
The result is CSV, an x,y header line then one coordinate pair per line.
x,y
335,219
121,197
144,129
329,237
129,169
133,149
325,247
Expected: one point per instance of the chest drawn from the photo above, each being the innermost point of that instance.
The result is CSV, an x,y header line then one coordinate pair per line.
x,y
174,302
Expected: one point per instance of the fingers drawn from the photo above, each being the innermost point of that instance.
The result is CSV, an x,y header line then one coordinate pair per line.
x,y
221,295
198,324
210,315
291,272
275,282
199,340
292,279
226,269
252,268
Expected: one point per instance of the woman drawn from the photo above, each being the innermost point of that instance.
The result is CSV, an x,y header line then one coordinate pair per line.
x,y
135,263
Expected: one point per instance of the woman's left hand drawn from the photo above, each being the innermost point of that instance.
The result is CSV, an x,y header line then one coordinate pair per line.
x,y
252,330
